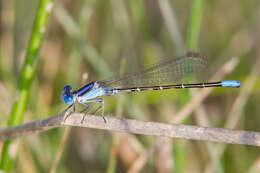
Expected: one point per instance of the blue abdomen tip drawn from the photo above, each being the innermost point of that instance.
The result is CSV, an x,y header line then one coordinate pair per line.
x,y
231,83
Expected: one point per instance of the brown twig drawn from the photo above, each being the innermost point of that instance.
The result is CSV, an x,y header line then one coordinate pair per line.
x,y
31,128
137,127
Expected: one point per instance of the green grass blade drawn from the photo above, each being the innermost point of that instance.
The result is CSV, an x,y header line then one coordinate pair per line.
x,y
194,26
27,74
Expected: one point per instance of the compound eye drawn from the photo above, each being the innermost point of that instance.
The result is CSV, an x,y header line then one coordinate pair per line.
x,y
67,90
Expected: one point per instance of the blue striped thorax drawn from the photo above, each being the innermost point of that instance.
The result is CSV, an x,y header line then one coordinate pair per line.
x,y
90,91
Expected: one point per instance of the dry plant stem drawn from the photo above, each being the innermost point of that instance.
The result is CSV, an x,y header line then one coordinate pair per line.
x,y
255,167
171,23
137,127
60,149
141,161
31,128
133,29
202,120
164,156
5,100
25,161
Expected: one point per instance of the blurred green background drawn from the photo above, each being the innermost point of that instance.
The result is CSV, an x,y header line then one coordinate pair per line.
x,y
93,40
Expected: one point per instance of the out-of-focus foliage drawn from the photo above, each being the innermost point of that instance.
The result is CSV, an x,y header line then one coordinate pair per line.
x,y
88,39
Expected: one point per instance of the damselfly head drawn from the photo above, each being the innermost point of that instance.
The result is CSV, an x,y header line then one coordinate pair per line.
x,y
67,96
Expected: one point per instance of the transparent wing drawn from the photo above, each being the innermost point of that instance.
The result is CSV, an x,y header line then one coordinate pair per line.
x,y
169,71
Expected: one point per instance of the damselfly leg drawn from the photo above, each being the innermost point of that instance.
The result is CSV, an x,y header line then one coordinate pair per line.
x,y
74,109
86,110
101,106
